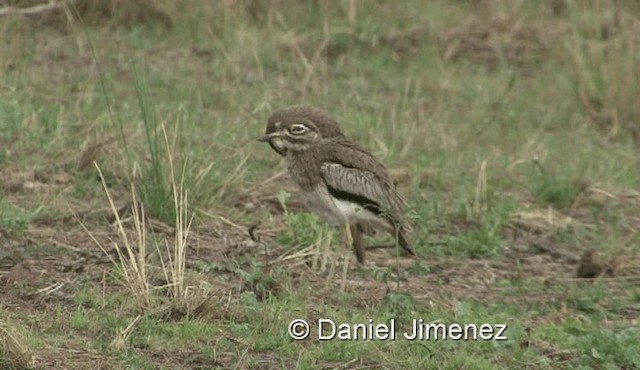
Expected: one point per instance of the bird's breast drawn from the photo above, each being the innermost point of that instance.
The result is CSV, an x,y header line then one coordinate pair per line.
x,y
303,170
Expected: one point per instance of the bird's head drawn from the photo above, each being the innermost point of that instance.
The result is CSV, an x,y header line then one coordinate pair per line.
x,y
298,128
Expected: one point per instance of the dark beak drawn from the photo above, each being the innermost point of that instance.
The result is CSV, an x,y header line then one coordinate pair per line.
x,y
267,138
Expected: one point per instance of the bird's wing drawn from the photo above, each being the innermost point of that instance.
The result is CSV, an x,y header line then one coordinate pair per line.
x,y
362,187
353,174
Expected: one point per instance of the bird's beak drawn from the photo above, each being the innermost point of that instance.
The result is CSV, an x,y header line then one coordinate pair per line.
x,y
268,137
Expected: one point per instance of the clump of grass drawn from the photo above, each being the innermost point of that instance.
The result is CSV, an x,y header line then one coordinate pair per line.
x,y
303,229
484,240
205,180
399,302
605,347
120,340
264,282
478,223
13,222
133,257
605,67
559,190
154,186
134,265
14,348
183,297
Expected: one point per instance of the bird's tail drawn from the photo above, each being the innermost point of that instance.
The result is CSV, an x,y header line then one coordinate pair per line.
x,y
403,240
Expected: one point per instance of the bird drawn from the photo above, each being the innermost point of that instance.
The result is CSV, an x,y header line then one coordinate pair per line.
x,y
328,128
593,265
340,181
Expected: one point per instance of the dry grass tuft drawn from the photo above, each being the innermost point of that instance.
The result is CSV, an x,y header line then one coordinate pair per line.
x,y
133,257
14,347
541,220
120,341
185,298
604,51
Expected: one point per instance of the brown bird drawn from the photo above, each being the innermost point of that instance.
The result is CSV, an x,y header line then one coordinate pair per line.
x,y
593,265
340,182
328,128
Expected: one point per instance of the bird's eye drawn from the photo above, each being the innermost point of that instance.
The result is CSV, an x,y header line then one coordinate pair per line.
x,y
298,129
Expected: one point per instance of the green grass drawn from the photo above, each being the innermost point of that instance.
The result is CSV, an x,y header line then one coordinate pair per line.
x,y
516,122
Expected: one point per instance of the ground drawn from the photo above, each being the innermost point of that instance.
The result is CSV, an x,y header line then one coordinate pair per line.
x,y
142,226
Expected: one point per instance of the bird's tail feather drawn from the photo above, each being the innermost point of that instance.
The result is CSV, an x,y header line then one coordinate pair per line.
x,y
404,242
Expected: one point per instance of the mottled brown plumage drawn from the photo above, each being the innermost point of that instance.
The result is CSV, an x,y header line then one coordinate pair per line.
x,y
328,128
340,181
593,265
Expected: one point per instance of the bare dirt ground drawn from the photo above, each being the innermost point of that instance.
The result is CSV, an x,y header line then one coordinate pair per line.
x,y
43,270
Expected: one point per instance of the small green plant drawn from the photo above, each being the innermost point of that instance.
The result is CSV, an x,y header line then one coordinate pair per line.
x,y
302,229
555,189
477,233
558,192
399,302
264,284
154,185
79,320
15,221
483,241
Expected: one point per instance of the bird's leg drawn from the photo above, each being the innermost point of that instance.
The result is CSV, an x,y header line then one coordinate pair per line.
x,y
325,250
345,270
346,254
348,236
358,242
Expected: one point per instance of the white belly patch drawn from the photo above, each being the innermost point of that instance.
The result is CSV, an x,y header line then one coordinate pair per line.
x,y
352,211
337,212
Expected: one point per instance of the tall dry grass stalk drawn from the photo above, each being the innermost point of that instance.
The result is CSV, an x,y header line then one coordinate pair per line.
x,y
133,257
176,266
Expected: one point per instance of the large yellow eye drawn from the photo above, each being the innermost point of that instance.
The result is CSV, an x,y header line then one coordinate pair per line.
x,y
298,129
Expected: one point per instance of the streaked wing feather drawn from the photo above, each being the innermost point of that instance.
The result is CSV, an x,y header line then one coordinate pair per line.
x,y
363,183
